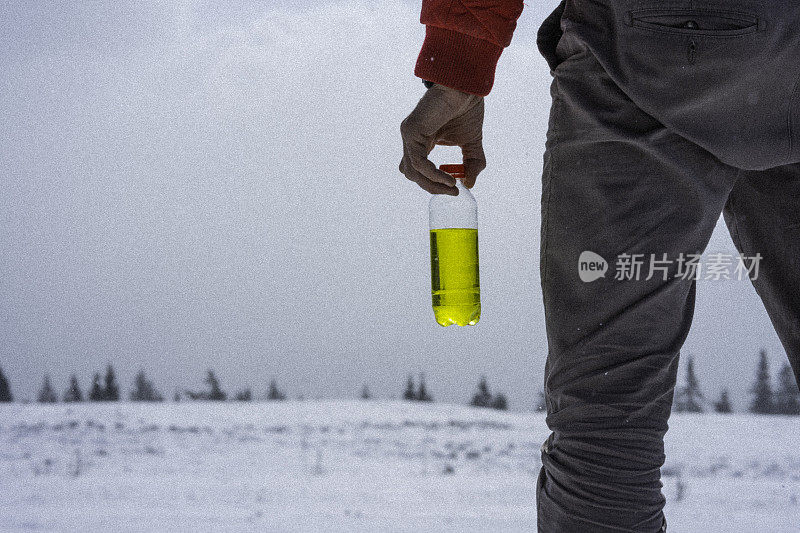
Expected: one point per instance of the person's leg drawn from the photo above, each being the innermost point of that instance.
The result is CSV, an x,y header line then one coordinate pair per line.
x,y
615,182
763,216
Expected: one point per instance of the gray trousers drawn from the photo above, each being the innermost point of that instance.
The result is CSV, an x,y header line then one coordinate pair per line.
x,y
664,115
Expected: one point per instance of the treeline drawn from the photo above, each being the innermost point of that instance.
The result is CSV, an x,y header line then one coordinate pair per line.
x,y
483,397
106,389
213,391
783,399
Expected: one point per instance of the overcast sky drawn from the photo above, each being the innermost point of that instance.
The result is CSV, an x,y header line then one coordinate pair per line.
x,y
186,186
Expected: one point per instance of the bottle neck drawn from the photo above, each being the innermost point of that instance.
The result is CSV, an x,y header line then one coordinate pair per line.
x,y
446,211
462,188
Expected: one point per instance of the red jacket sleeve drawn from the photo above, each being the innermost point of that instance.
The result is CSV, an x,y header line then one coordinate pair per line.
x,y
464,40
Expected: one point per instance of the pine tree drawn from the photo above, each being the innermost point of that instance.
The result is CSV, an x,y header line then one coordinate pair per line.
x,y
244,395
410,393
482,398
73,393
97,393
144,390
5,389
689,396
422,392
723,405
500,402
762,389
273,393
787,397
46,393
111,391
365,394
215,393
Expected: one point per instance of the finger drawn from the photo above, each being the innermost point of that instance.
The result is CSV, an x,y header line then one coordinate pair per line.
x,y
474,161
472,149
428,169
416,148
428,185
408,168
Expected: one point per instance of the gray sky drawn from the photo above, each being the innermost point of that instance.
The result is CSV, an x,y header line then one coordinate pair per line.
x,y
185,186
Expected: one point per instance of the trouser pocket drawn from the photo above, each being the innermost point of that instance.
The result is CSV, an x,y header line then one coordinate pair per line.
x,y
549,34
695,21
720,78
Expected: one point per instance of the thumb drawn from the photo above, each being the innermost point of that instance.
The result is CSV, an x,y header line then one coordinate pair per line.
x,y
474,161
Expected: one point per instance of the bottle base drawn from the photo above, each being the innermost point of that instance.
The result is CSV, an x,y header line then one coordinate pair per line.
x,y
449,315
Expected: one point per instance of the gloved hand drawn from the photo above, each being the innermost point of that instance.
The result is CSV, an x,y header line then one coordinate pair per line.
x,y
448,117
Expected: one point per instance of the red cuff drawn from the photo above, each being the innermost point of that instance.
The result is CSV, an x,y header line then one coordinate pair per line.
x,y
458,60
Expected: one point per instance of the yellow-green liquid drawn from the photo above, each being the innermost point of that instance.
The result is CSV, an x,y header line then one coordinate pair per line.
x,y
455,286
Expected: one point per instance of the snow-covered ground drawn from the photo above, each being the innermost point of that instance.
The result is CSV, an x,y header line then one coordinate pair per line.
x,y
353,466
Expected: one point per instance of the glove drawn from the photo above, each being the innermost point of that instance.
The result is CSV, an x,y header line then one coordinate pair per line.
x,y
448,117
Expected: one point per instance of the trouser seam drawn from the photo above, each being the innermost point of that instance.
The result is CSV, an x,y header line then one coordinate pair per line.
x,y
545,222
791,125
737,240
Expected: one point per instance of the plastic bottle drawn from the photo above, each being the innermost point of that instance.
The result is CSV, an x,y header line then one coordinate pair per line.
x,y
455,283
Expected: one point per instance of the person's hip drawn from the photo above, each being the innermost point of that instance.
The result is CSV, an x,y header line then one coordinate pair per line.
x,y
722,74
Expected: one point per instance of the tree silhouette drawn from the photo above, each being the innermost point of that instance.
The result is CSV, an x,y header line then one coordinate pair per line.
x,y
5,389
787,397
422,391
215,393
689,396
500,402
365,394
97,392
410,393
111,390
46,393
73,393
273,393
244,395
482,398
762,388
723,405
144,390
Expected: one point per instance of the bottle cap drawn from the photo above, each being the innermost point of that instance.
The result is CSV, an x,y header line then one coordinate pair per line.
x,y
457,171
